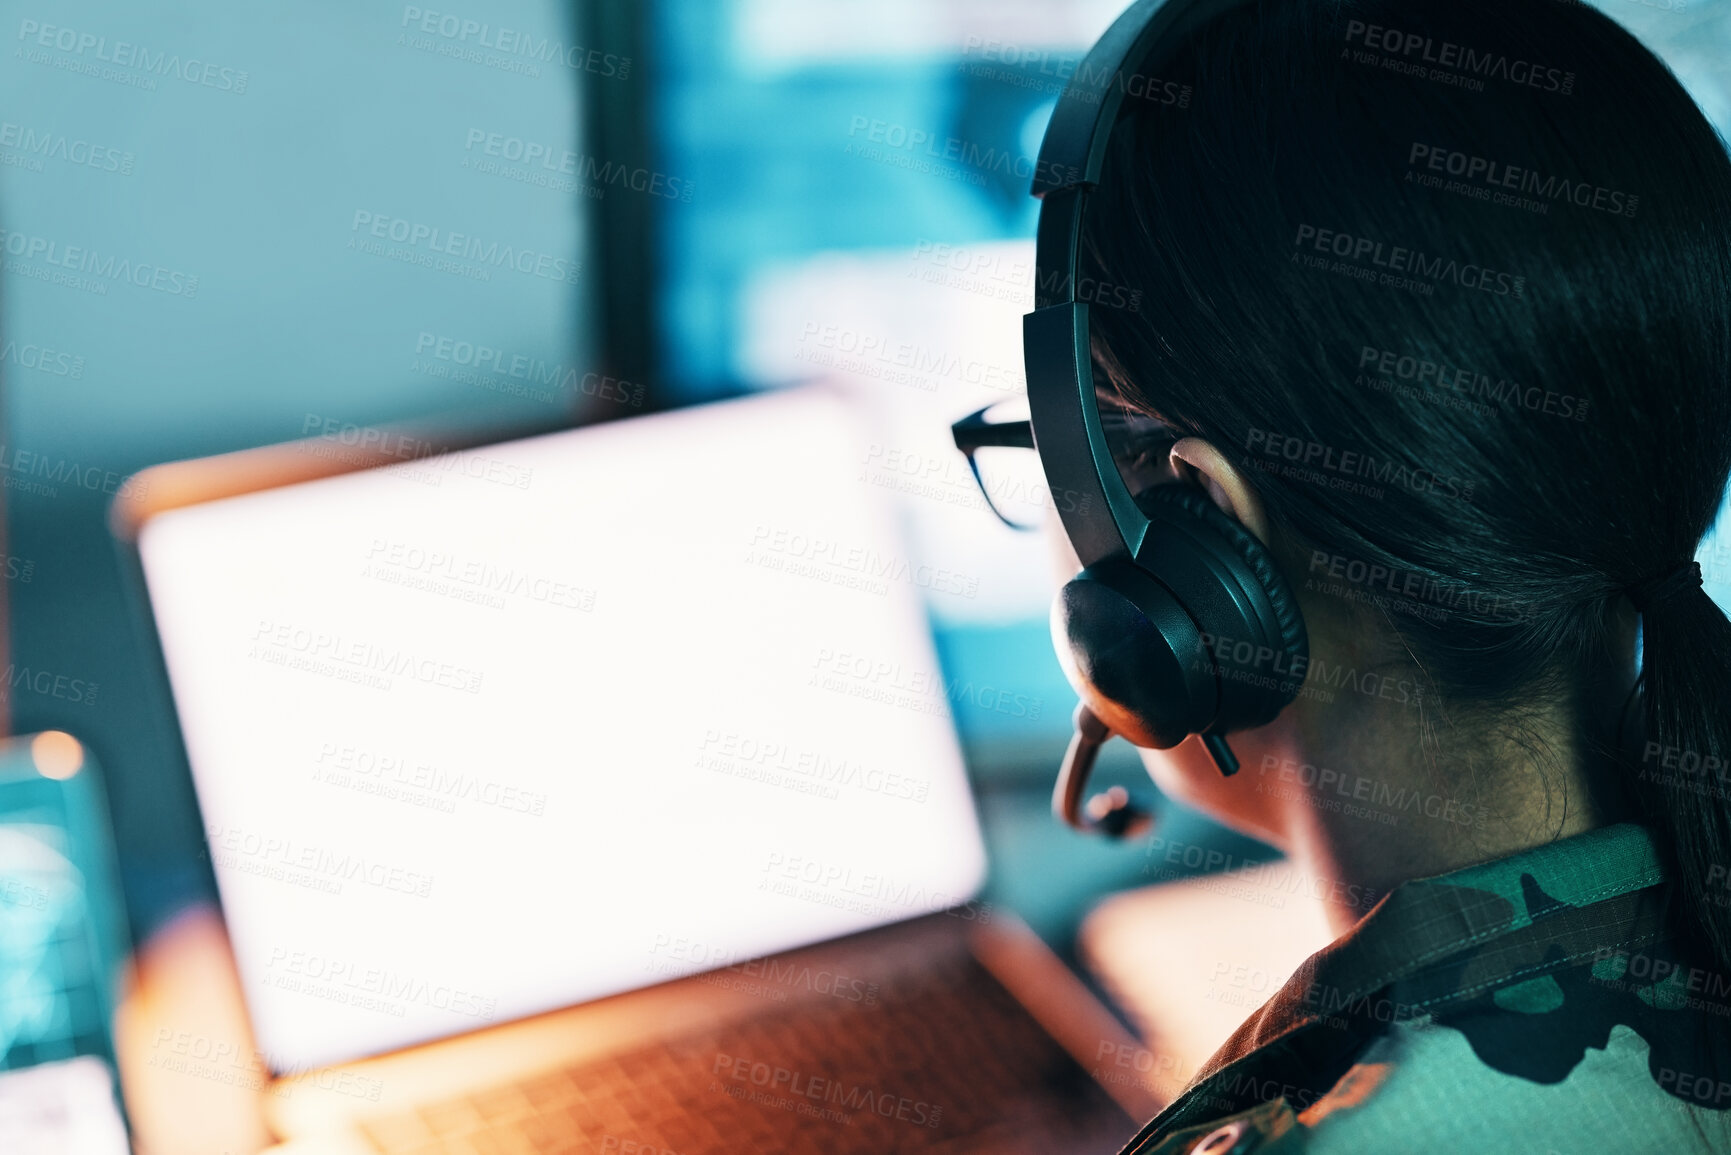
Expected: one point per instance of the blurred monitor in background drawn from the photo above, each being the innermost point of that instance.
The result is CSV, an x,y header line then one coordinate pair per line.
x,y
859,211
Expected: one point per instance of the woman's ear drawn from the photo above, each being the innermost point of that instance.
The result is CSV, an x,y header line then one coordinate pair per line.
x,y
1199,462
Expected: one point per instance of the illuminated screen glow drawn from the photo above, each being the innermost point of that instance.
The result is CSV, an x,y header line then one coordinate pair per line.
x,y
502,731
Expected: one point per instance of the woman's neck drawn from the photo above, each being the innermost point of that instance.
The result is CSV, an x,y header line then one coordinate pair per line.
x,y
1381,793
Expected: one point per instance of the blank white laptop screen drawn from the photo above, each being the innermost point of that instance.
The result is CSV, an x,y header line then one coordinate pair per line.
x,y
500,731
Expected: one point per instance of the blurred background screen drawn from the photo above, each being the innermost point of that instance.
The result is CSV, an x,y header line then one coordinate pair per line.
x,y
859,175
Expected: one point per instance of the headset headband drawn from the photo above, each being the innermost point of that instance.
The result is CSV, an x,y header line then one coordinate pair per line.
x,y
1160,582
1055,345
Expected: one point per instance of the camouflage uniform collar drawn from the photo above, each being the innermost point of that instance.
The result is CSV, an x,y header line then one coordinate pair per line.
x,y
1430,918
1410,942
1576,870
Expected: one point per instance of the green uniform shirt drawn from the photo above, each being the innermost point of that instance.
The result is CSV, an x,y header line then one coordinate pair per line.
x,y
1538,1003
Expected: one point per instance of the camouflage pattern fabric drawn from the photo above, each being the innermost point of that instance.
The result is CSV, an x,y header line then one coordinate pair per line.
x,y
1538,1003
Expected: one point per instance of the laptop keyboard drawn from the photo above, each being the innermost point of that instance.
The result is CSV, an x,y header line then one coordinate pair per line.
x,y
944,1060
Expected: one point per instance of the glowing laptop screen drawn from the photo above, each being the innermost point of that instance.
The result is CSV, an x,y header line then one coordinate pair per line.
x,y
500,731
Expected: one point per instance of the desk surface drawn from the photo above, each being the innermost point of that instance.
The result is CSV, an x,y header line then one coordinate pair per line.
x,y
1188,961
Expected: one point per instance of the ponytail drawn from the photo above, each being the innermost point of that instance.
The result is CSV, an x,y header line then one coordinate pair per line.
x,y
1684,780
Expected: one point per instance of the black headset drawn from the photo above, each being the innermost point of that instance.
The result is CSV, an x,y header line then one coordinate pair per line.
x,y
1179,623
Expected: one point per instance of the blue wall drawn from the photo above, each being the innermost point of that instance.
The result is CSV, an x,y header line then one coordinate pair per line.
x,y
198,206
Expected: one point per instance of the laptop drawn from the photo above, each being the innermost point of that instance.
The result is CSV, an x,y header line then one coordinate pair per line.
x,y
597,791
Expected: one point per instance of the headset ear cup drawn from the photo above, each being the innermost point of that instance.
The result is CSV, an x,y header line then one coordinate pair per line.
x,y
1132,654
1196,512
